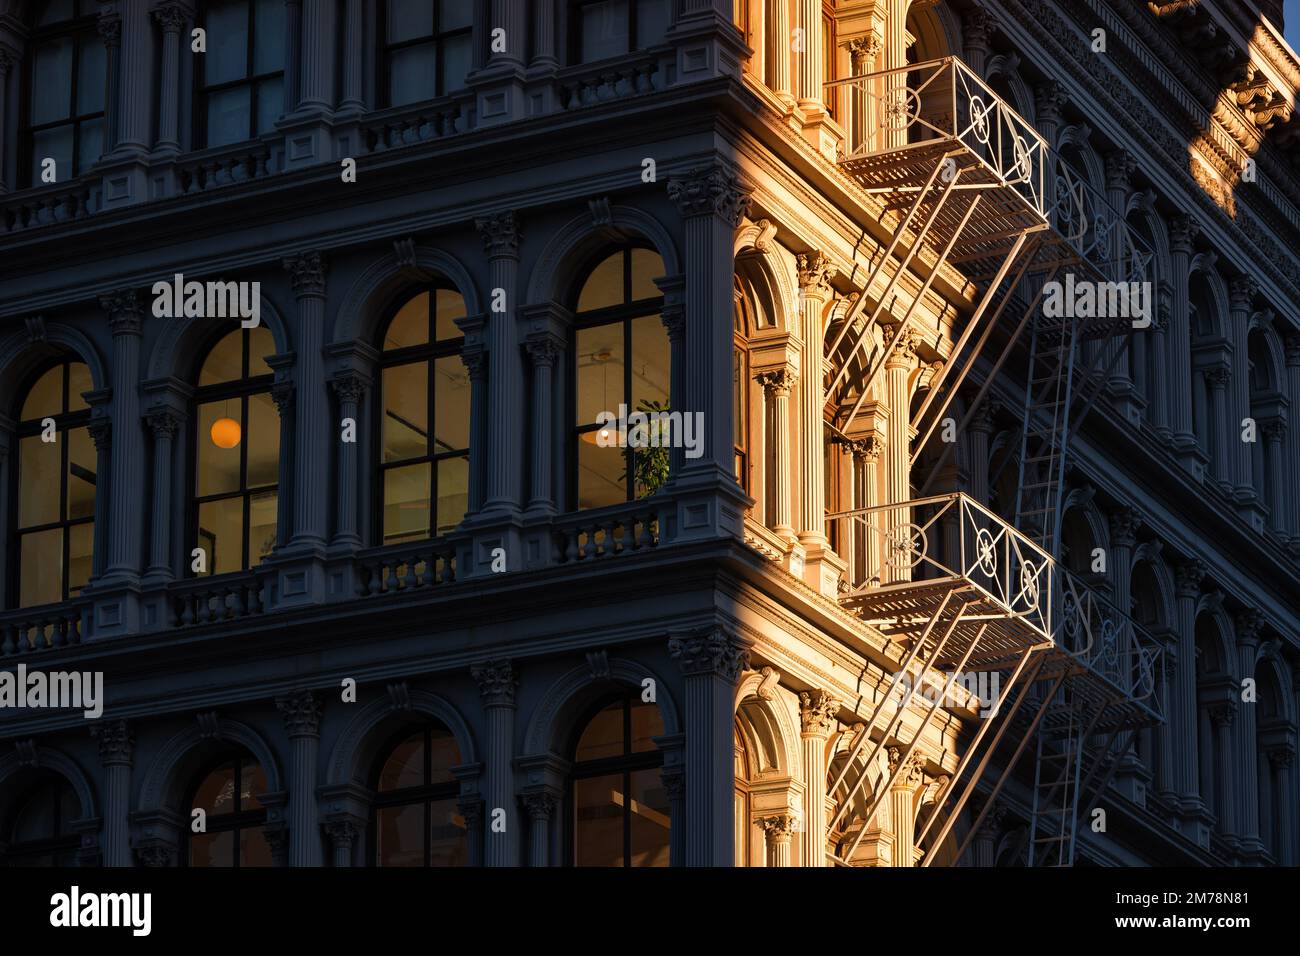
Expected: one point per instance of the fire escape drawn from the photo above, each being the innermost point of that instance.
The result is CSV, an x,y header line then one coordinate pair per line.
x,y
965,185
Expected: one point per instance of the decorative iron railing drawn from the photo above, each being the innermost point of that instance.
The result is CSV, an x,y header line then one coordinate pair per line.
x,y
940,100
1108,641
1095,230
950,537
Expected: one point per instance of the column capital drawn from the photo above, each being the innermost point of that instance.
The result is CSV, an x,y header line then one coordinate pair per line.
x,y
1292,344
904,354
1049,99
282,395
711,651
817,710
710,191
109,26
1241,293
307,272
1273,429
474,358
1223,714
1281,755
544,349
777,381
349,385
343,832
540,804
301,713
1124,525
163,421
101,432
1188,576
500,235
171,16
913,772
116,742
977,27
868,449
1249,623
982,420
125,316
674,781
496,682
779,827
1218,376
815,273
7,60
1120,166
1183,230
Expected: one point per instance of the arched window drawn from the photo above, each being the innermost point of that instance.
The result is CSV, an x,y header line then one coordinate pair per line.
x,y
236,439
426,48
424,426
63,111
54,488
234,832
416,820
240,79
606,28
620,361
41,832
619,812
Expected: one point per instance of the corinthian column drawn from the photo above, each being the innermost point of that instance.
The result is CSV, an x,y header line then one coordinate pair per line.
x,y
1241,293
350,388
1248,624
711,660
1293,455
898,488
497,682
500,236
817,710
1183,231
778,829
777,385
6,66
820,569
172,18
126,520
301,713
1182,709
164,423
902,805
312,426
115,751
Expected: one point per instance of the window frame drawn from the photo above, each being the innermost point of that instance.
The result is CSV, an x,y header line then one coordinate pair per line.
x,y
238,819
250,80
65,421
422,796
61,843
436,39
428,352
243,389
81,27
626,763
574,12
624,313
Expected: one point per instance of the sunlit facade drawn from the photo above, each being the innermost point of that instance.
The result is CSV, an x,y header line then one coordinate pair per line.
x,y
385,577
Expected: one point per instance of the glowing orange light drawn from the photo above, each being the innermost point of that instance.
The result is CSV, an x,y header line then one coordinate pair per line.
x,y
225,433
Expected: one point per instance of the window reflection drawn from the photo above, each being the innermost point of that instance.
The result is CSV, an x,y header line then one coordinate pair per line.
x,y
417,819
234,818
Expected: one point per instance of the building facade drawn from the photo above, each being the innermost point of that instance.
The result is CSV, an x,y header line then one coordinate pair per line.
x,y
309,315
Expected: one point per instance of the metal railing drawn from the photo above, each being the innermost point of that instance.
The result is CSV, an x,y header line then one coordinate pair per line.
x,y
1095,229
936,100
951,537
1109,642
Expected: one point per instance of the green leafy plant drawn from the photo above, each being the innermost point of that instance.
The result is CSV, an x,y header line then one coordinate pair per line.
x,y
650,464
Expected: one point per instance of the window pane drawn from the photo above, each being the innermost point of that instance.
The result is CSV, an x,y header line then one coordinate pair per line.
x,y
252,784
253,848
40,570
455,62
604,29
35,821
221,534
406,411
600,371
263,441
218,468
399,835
647,723
53,144
270,104
81,473
447,834
648,805
603,735
598,821
601,473
228,116
410,326
90,76
453,493
646,267
261,343
450,306
405,766
38,480
604,287
91,146
262,512
406,503
54,11
408,19
651,360
450,404
454,14
227,56
52,81
78,382
225,363
81,552
212,849
652,20
412,74
268,36
45,397
216,794
443,756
